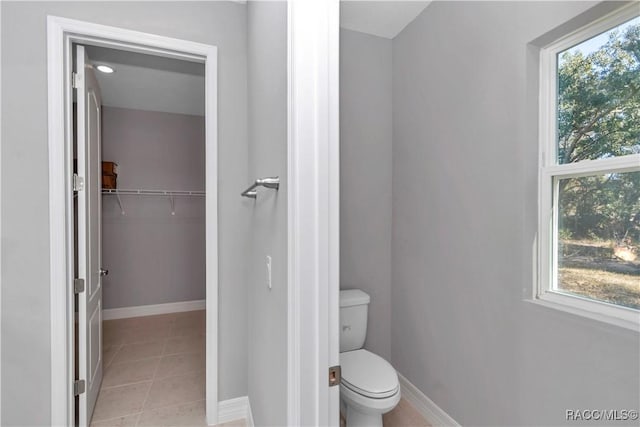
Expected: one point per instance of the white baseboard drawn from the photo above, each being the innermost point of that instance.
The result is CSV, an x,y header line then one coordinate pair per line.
x,y
427,408
235,409
150,310
249,419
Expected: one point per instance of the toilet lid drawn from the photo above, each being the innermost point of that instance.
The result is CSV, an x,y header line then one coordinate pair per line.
x,y
368,374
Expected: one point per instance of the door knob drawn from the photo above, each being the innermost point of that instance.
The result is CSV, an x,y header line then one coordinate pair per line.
x,y
103,272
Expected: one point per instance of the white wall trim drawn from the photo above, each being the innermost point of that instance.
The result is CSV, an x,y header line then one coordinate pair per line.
x,y
59,230
249,420
153,309
0,245
431,412
545,286
61,33
235,409
313,211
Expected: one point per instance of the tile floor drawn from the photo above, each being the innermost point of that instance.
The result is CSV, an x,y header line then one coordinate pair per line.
x,y
154,372
403,415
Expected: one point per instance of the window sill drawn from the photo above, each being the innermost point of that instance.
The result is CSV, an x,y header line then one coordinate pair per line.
x,y
602,312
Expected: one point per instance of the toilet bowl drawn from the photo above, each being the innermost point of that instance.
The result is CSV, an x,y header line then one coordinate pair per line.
x,y
368,388
369,385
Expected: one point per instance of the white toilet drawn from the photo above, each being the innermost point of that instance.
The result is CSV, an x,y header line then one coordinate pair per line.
x,y
369,386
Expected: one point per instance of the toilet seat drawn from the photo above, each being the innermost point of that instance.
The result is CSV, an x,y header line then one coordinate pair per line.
x,y
368,374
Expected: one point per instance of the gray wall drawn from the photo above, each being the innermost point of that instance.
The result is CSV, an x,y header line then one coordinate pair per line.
x,y
464,223
153,257
26,367
267,345
365,178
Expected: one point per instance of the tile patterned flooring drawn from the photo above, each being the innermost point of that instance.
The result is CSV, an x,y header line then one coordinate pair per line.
x,y
154,372
154,375
404,415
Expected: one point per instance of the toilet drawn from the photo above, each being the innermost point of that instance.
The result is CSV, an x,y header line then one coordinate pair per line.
x,y
369,386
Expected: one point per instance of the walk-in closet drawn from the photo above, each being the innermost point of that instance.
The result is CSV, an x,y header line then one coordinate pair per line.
x,y
150,353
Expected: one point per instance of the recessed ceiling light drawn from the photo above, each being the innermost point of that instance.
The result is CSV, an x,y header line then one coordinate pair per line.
x,y
105,69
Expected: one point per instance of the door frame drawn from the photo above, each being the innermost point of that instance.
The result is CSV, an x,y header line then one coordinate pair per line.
x,y
61,34
313,199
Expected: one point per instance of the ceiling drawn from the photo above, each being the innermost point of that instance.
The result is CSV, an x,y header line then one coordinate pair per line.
x,y
148,82
380,18
154,83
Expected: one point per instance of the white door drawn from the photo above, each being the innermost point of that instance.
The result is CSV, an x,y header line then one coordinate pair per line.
x,y
89,235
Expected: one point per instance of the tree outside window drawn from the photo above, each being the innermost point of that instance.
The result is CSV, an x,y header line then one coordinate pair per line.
x,y
598,215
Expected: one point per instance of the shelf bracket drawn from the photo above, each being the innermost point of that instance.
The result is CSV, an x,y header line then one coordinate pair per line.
x,y
173,204
120,204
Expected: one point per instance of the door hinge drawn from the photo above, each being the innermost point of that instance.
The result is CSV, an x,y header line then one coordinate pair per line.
x,y
74,80
78,182
78,285
78,387
335,374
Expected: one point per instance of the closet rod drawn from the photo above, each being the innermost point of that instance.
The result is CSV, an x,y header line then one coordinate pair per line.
x,y
166,193
272,182
153,192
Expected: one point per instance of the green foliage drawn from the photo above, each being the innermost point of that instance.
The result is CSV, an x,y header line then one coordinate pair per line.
x,y
601,207
599,117
599,101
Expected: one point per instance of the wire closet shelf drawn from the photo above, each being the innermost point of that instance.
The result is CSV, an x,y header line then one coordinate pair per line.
x,y
171,194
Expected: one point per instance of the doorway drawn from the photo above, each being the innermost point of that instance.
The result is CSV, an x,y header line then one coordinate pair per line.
x,y
313,177
140,227
82,375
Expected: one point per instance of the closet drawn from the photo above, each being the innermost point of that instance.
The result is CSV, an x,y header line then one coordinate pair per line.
x,y
152,221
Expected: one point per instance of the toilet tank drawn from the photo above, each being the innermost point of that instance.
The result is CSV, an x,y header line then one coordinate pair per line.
x,y
354,305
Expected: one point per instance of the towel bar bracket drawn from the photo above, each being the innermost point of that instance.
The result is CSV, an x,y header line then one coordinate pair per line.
x,y
271,182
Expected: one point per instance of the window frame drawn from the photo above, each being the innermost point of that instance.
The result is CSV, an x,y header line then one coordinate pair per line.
x,y
550,172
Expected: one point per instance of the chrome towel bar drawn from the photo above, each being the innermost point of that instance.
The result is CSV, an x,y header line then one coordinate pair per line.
x,y
273,182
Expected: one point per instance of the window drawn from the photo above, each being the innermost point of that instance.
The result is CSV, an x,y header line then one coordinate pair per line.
x,y
589,180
